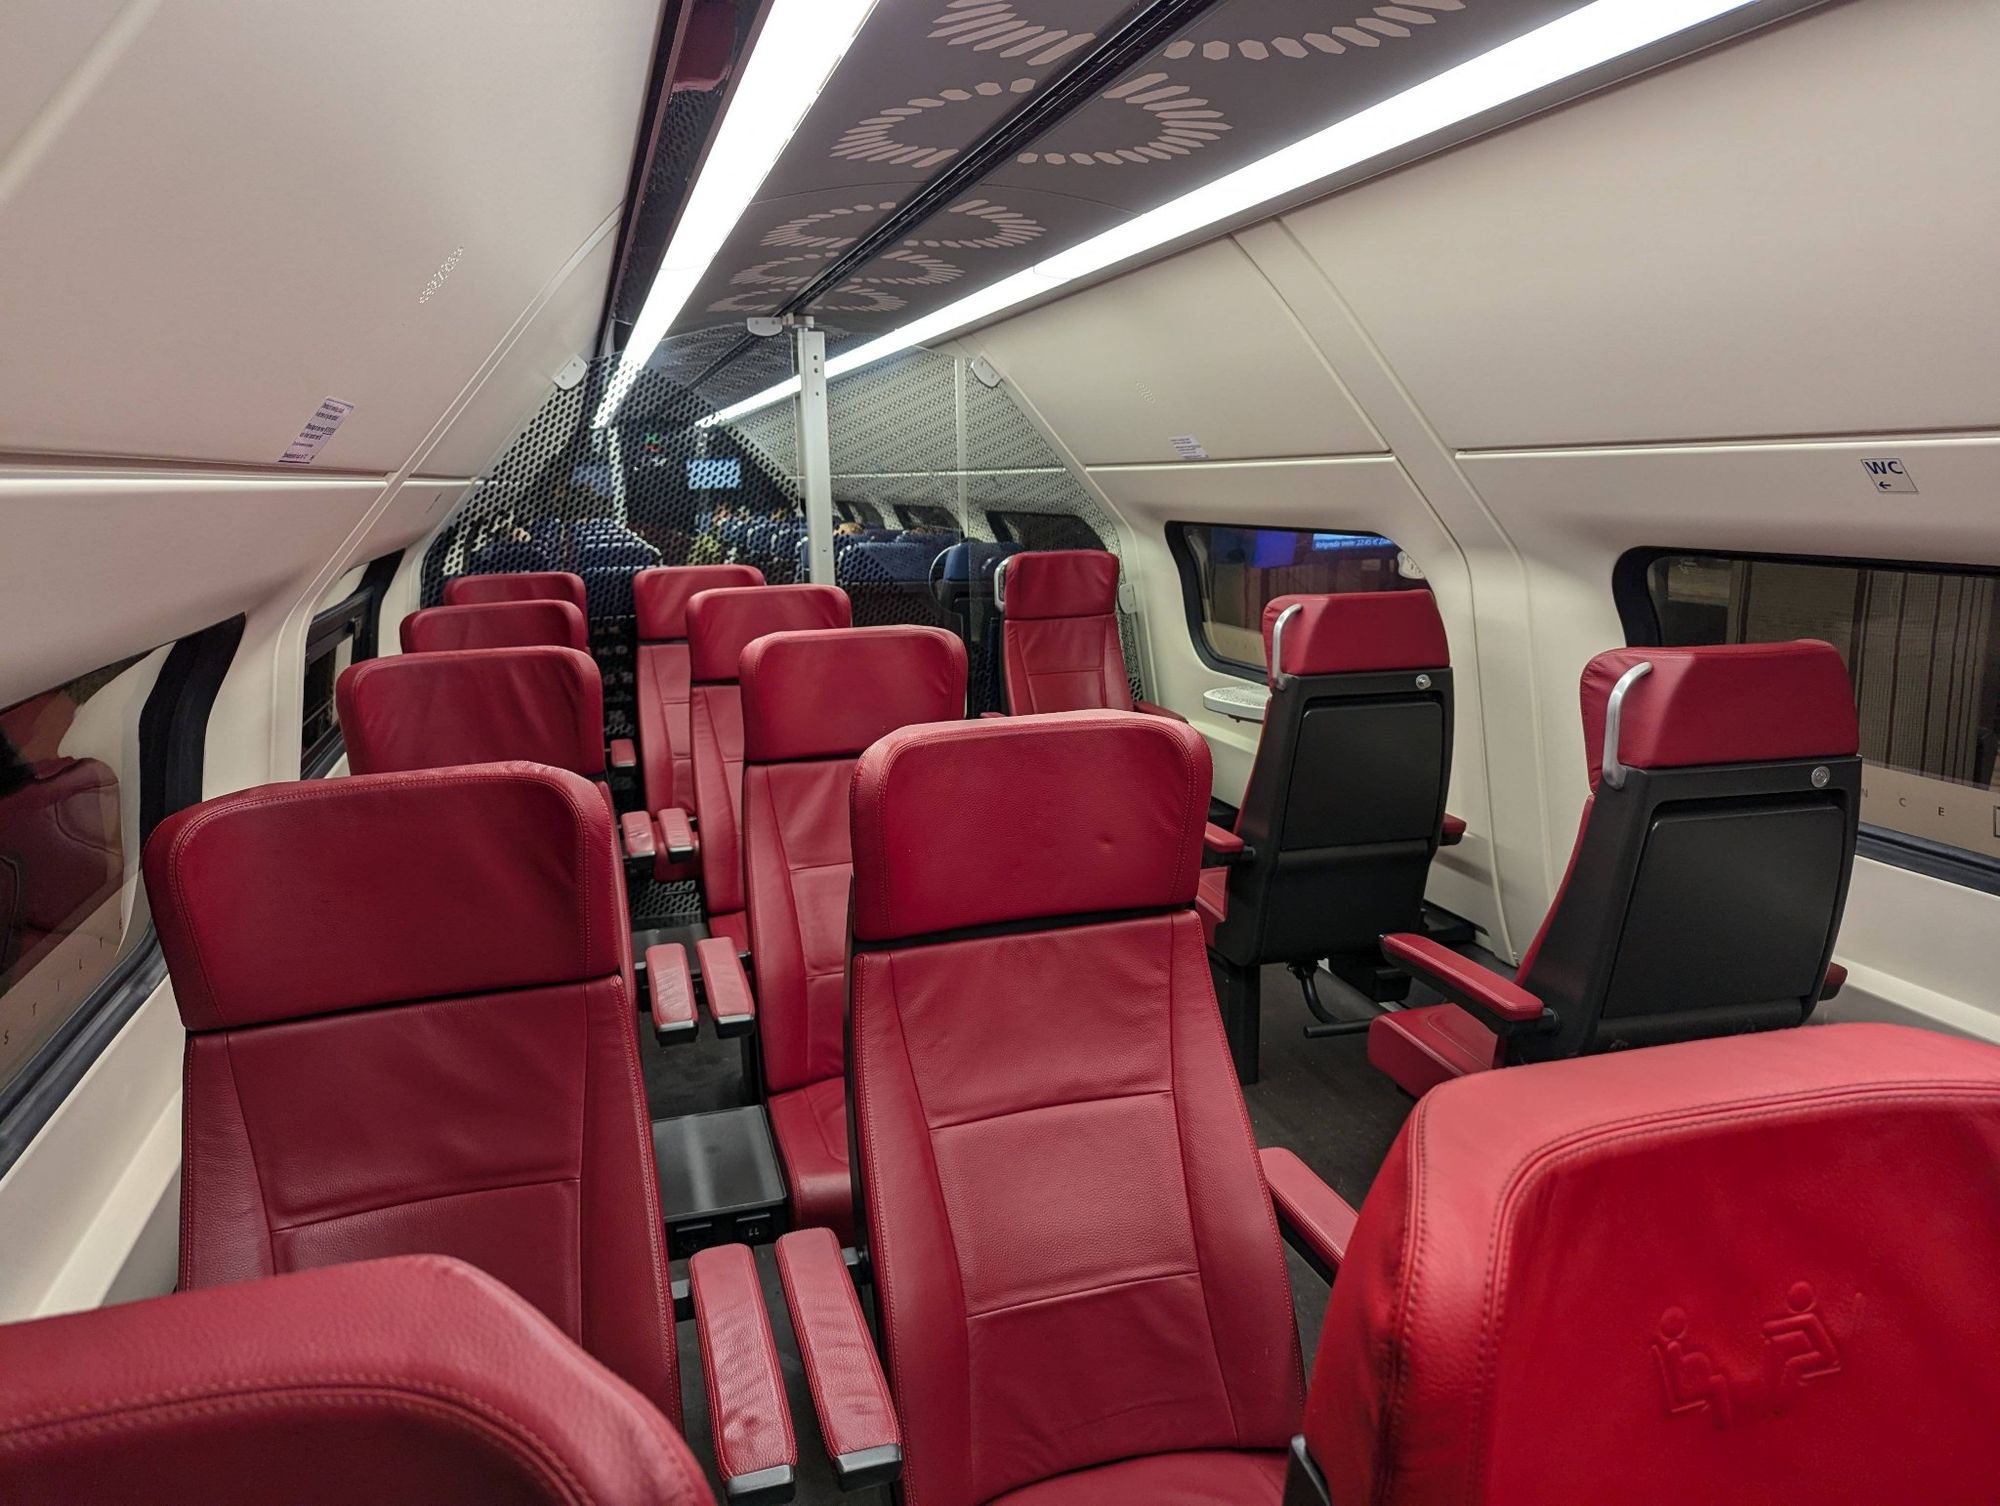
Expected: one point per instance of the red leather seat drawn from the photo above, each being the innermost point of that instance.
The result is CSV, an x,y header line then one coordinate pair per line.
x,y
519,585
417,1380
1076,1264
409,1008
660,597
435,711
1732,1271
1059,642
812,702
721,623
1705,889
61,859
496,624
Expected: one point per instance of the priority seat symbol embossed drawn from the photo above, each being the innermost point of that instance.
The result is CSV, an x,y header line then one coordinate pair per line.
x,y
1798,1348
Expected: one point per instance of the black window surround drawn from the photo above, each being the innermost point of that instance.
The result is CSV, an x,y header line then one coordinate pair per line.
x,y
173,733
1637,613
1043,530
358,617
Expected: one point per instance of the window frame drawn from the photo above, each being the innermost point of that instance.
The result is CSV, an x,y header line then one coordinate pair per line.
x,y
173,736
359,615
998,519
1640,618
902,510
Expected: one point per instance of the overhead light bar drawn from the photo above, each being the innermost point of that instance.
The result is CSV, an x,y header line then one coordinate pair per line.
x,y
1597,33
799,46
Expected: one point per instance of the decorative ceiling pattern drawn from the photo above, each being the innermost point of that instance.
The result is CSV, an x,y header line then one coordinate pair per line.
x,y
927,79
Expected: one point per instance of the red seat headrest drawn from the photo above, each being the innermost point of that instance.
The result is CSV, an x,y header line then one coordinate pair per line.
x,y
495,624
720,623
1736,1269
1355,632
292,900
830,693
660,595
490,705
1060,583
519,585
1026,818
1724,703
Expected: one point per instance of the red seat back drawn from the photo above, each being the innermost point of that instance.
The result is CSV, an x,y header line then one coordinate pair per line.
x,y
812,703
62,856
1743,1270
520,585
1075,1259
660,597
409,1008
721,623
431,711
1059,644
413,1379
495,624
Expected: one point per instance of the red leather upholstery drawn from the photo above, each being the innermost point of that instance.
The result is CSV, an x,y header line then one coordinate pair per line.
x,y
721,623
1059,643
495,624
1322,1217
1075,1258
409,1002
812,702
1420,1048
61,858
660,596
1722,703
1749,1269
1211,1478
415,1380
430,711
1098,822
849,1391
749,1418
1212,900
520,585
1353,632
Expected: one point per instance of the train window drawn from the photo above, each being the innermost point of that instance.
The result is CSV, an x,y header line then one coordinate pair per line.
x,y
344,633
1044,530
1922,645
925,515
1228,575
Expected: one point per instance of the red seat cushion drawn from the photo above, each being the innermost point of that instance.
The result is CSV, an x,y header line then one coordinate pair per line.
x,y
810,1124
1211,899
1420,1048
659,598
496,624
432,711
1750,1269
1354,632
518,585
409,1002
1205,1479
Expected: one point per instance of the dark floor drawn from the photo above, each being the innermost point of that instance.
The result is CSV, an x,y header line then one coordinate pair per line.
x,y
1319,1098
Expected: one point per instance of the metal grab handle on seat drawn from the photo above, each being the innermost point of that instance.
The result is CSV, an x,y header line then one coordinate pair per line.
x,y
1614,771
1278,644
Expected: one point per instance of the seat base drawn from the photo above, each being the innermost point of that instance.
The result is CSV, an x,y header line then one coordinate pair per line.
x,y
1211,1478
811,1127
1420,1048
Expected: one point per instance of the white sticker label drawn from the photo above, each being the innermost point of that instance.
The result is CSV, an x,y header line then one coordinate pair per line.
x,y
1889,476
318,430
1187,447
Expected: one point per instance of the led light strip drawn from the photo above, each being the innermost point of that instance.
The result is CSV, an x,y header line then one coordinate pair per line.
x,y
1598,33
801,43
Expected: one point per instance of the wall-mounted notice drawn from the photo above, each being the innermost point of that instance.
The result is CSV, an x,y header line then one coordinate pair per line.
x,y
318,430
1187,447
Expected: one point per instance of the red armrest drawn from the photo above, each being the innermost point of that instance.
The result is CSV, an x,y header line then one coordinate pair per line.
x,y
676,833
671,987
725,988
1315,1220
1836,979
857,1417
624,753
1502,1006
754,1448
1453,833
637,829
1220,847
1153,708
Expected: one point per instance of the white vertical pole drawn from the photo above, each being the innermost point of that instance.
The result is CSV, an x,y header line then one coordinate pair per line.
x,y
815,454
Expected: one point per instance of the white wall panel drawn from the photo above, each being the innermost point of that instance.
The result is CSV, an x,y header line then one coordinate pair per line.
x,y
253,208
42,42
1199,346
1793,235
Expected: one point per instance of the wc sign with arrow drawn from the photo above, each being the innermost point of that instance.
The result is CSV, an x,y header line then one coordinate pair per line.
x,y
1889,476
